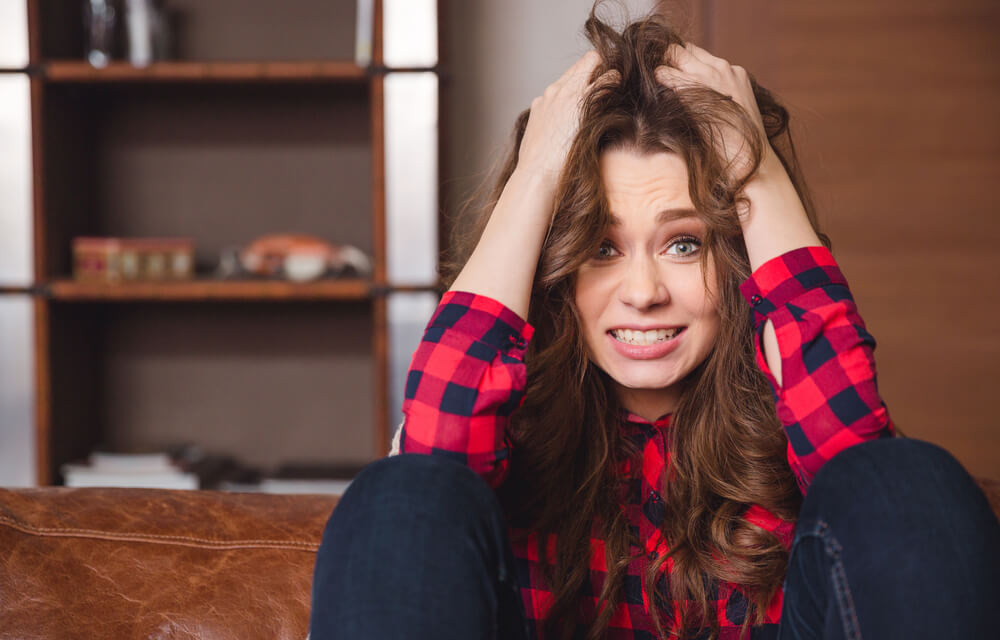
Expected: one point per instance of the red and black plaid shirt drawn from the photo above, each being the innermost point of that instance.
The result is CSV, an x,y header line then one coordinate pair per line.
x,y
468,376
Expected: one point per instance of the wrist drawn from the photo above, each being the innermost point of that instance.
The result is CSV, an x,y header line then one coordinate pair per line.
x,y
770,172
775,221
536,177
534,191
772,187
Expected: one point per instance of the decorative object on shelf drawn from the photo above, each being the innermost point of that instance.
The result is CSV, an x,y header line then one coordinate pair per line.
x,y
295,257
147,31
100,18
111,260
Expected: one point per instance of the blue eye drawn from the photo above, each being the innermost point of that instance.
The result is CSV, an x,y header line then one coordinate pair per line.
x,y
684,246
605,251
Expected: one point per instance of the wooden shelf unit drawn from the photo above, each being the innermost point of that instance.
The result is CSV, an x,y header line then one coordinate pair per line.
x,y
259,126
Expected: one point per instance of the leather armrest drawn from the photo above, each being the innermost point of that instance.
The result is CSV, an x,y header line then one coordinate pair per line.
x,y
991,488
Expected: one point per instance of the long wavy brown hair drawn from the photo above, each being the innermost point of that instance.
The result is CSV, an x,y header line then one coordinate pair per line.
x,y
727,448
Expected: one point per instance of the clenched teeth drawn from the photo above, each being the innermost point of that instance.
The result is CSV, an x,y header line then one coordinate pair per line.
x,y
644,337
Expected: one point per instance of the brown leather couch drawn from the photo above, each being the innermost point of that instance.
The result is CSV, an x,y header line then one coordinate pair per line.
x,y
144,563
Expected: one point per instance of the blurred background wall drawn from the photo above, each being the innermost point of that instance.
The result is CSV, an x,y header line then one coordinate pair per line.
x,y
894,105
500,55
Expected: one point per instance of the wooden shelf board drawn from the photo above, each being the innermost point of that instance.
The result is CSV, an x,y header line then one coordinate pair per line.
x,y
14,289
196,290
175,71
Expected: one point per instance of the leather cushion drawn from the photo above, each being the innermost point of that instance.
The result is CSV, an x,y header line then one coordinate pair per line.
x,y
145,563
991,488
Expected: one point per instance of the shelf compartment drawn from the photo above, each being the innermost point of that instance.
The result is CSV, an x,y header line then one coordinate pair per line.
x,y
74,71
268,384
206,290
222,164
225,30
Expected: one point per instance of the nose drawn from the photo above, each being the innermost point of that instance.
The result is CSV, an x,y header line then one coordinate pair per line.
x,y
642,285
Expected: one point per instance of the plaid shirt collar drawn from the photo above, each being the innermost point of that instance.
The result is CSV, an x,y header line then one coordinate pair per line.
x,y
633,420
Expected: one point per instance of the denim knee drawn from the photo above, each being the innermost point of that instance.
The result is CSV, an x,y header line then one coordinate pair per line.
x,y
432,489
890,474
894,539
416,547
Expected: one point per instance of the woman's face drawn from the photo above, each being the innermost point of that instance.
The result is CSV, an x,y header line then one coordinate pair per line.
x,y
648,320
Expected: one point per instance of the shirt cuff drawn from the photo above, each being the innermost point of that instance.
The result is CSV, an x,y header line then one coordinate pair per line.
x,y
780,280
483,319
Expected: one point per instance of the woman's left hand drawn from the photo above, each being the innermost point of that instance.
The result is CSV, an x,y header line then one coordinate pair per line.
x,y
691,65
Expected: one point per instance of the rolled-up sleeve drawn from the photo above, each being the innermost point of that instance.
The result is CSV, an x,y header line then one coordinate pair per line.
x,y
828,399
465,380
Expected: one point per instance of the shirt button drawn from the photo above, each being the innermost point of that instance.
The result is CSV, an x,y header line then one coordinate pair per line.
x,y
756,300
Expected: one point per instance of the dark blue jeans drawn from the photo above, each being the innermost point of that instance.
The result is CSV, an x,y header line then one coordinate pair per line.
x,y
894,540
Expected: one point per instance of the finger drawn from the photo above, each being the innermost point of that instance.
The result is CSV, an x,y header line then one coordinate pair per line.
x,y
579,83
582,67
705,57
607,79
680,58
675,78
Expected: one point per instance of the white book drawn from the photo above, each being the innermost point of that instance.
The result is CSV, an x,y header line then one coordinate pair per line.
x,y
131,461
77,475
239,487
304,485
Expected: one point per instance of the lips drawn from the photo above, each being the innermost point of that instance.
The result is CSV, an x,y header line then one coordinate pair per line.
x,y
656,349
645,337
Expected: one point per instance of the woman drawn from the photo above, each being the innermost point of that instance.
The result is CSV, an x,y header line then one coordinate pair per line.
x,y
650,356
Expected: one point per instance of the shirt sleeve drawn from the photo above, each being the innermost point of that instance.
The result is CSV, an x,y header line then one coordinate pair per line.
x,y
465,380
828,399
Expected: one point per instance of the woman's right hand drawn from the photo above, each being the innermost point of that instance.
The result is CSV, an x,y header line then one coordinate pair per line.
x,y
555,119
502,266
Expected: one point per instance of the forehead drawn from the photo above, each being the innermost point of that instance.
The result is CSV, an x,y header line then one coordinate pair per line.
x,y
642,184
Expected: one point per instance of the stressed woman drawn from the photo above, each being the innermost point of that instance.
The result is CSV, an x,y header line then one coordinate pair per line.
x,y
647,405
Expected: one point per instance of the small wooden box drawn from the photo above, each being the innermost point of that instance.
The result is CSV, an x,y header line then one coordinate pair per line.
x,y
112,260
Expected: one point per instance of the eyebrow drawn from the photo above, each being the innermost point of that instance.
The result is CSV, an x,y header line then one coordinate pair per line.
x,y
667,215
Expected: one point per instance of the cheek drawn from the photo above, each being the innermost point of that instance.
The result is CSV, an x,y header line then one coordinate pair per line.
x,y
709,319
712,327
701,294
689,293
591,298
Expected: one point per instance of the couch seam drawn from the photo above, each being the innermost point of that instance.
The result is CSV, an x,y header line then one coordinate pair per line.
x,y
187,541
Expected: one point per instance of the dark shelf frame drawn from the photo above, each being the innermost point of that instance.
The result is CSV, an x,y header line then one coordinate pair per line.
x,y
50,296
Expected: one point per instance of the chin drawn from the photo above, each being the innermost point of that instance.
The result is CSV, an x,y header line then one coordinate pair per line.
x,y
653,379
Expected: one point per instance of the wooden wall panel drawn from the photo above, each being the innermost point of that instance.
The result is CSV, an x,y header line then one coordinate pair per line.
x,y
895,107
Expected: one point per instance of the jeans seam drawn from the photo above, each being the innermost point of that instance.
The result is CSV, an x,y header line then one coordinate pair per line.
x,y
841,588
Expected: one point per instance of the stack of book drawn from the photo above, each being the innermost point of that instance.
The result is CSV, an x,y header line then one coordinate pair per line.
x,y
188,467
145,470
